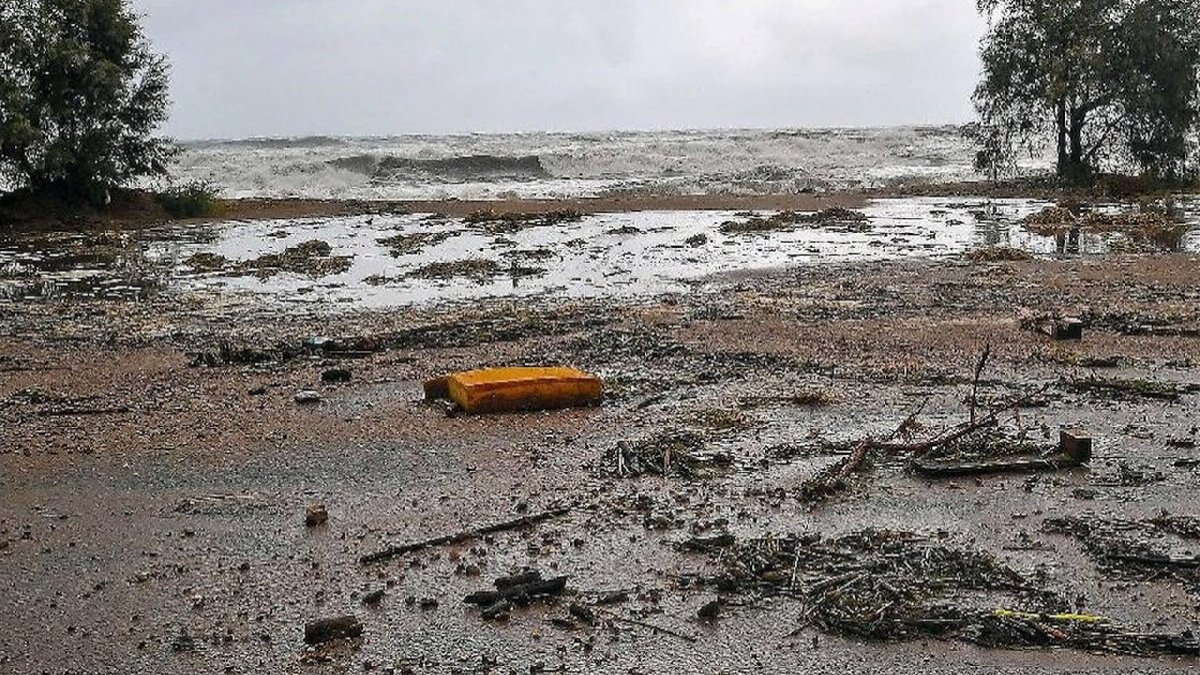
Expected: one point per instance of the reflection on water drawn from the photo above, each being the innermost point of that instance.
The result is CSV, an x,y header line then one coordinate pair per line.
x,y
414,259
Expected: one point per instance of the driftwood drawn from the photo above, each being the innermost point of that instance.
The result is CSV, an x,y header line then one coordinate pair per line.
x,y
1073,450
459,537
834,478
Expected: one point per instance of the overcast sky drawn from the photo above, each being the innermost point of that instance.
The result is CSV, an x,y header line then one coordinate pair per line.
x,y
299,67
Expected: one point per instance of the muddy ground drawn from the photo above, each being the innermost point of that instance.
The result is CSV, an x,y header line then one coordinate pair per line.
x,y
155,469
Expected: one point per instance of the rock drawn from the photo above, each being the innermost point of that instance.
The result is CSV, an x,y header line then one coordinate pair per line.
x,y
315,515
336,628
183,642
257,391
582,613
374,597
497,612
307,397
336,376
710,610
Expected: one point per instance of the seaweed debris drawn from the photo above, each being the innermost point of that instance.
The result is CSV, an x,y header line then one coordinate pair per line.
x,y
312,258
479,270
495,223
999,254
1117,389
409,244
835,218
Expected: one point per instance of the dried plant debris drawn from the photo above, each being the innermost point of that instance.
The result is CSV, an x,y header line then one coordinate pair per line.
x,y
890,585
836,218
410,244
679,454
1162,547
491,221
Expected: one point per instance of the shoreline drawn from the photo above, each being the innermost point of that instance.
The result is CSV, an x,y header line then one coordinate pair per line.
x,y
136,213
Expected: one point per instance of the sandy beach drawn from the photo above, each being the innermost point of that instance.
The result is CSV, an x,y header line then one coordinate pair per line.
x,y
171,421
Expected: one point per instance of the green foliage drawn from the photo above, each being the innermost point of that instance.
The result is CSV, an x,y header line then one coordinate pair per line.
x,y
81,94
1112,82
193,200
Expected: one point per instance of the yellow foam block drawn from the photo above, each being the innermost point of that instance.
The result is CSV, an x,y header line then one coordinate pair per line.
x,y
515,389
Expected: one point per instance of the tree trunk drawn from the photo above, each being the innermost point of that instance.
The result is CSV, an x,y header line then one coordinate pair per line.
x,y
1061,126
1071,162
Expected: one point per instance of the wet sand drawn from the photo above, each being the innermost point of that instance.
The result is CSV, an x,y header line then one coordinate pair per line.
x,y
153,511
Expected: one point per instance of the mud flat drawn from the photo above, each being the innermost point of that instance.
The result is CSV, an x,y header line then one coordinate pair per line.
x,y
156,466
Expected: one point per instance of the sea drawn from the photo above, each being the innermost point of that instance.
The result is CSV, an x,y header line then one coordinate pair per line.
x,y
552,165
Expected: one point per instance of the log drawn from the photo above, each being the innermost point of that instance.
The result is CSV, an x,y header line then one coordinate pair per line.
x,y
947,469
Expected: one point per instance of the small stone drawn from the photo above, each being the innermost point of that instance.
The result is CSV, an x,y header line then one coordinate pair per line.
x,y
257,391
307,397
336,376
183,642
315,515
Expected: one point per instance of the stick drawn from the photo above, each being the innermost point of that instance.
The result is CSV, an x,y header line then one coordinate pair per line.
x,y
983,358
634,622
466,535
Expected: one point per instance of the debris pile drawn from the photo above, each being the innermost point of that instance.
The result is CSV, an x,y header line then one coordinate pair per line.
x,y
1143,550
1145,230
890,585
1117,389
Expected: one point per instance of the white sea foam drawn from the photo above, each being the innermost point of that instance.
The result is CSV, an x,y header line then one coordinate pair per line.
x,y
579,164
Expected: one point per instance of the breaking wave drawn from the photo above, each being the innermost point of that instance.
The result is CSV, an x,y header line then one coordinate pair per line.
x,y
580,164
452,169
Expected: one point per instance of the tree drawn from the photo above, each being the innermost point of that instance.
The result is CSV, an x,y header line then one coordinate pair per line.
x,y
1107,81
81,94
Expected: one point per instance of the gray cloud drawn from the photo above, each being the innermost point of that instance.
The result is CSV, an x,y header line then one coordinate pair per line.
x,y
294,67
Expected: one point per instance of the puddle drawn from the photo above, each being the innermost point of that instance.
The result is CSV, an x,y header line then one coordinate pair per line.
x,y
417,259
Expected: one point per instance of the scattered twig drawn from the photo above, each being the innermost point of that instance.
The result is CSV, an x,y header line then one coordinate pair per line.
x,y
634,622
465,535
